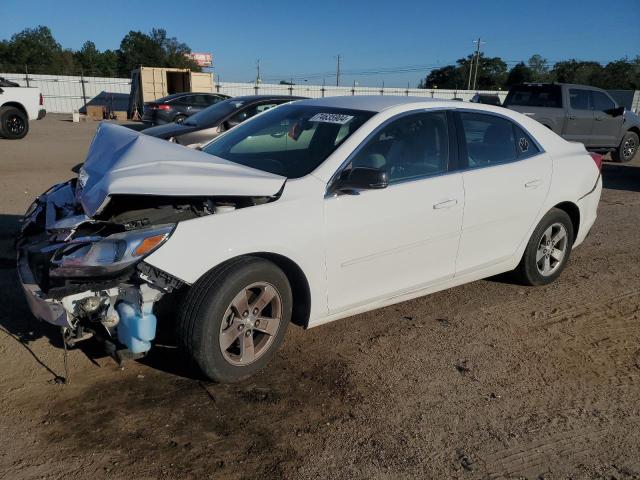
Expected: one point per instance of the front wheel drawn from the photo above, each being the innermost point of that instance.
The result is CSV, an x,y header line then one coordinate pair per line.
x,y
627,149
179,118
234,319
14,123
548,250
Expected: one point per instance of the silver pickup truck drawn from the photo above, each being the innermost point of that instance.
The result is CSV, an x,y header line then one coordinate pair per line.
x,y
579,113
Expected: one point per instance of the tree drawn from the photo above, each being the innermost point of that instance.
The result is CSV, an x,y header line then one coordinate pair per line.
x,y
492,71
621,74
539,68
34,47
574,71
88,58
520,73
448,77
155,50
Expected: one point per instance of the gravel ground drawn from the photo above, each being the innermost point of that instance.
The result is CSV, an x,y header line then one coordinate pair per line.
x,y
487,380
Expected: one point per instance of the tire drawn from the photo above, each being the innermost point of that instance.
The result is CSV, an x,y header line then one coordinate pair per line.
x,y
179,118
532,269
14,123
627,149
210,317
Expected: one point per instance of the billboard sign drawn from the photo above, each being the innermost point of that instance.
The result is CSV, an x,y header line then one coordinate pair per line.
x,y
201,58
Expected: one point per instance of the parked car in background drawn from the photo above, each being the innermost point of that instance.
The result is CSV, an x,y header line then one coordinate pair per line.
x,y
177,107
308,213
487,99
218,118
580,113
18,106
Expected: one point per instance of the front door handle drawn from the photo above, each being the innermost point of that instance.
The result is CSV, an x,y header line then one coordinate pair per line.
x,y
599,119
572,117
446,204
533,184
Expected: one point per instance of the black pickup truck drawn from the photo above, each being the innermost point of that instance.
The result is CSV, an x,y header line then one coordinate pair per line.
x,y
580,113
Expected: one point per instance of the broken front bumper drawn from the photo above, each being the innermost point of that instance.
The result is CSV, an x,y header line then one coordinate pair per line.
x,y
42,307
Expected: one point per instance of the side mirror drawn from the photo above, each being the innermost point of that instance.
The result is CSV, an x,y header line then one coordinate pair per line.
x,y
362,178
615,112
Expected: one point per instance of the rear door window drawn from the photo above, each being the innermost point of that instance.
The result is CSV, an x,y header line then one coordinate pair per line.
x,y
580,99
490,140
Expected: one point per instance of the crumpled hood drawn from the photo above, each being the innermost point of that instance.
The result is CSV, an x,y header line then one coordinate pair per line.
x,y
123,161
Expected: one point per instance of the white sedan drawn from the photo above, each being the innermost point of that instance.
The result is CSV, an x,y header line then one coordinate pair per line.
x,y
308,213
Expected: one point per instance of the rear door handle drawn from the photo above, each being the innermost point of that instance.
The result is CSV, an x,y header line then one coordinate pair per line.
x,y
533,184
446,204
572,117
599,119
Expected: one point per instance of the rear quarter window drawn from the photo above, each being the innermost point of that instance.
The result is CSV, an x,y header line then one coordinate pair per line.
x,y
546,96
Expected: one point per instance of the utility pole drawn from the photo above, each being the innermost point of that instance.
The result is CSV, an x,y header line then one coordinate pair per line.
x,y
339,57
470,72
475,75
258,79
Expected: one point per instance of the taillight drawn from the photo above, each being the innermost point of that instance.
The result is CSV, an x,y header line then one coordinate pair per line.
x,y
162,106
597,158
41,99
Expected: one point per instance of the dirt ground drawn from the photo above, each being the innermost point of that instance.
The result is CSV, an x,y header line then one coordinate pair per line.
x,y
488,380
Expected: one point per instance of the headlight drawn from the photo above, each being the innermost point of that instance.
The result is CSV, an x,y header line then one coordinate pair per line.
x,y
109,255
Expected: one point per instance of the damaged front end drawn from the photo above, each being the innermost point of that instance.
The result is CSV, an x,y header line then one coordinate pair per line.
x,y
82,245
87,275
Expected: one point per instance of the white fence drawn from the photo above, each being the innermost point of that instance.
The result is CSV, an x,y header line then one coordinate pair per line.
x,y
63,94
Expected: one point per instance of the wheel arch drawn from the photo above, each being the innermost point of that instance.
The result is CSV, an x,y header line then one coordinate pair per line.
x,y
300,289
17,105
573,211
635,129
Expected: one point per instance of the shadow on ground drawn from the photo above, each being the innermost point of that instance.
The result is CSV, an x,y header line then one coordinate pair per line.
x,y
616,176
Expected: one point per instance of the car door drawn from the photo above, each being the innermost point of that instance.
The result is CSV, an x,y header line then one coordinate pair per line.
x,y
506,178
381,243
606,127
580,116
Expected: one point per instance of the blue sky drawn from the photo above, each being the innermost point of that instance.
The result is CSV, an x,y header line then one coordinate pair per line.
x,y
302,38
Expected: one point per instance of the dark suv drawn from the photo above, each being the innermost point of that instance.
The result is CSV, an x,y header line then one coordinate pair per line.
x,y
178,106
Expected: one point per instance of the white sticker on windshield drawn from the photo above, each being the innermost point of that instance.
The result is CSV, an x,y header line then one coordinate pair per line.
x,y
331,118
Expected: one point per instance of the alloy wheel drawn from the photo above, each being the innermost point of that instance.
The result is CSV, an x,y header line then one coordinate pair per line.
x,y
629,148
250,323
15,124
552,249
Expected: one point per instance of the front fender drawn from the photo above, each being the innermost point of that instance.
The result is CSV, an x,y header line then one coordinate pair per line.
x,y
290,227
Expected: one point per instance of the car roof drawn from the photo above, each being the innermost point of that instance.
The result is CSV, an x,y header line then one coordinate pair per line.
x,y
253,98
181,94
371,103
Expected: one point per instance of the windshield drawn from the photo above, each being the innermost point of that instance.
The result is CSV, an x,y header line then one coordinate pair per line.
x,y
291,140
212,115
548,96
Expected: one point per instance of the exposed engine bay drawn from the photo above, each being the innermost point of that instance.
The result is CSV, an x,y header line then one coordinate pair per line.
x,y
87,274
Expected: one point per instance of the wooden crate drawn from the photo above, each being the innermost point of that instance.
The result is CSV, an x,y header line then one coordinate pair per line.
x,y
95,112
120,116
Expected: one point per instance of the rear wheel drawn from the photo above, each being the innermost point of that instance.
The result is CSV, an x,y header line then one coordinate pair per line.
x,y
627,149
548,250
14,123
233,320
